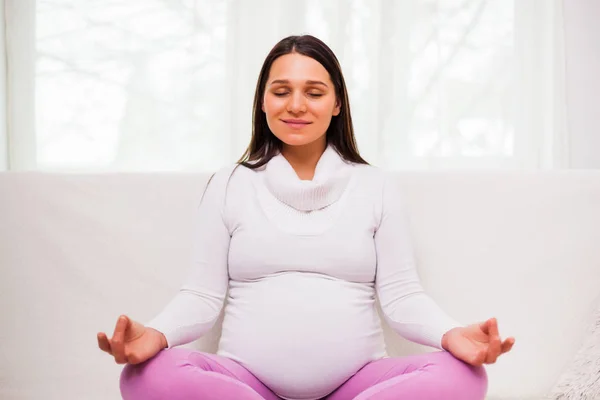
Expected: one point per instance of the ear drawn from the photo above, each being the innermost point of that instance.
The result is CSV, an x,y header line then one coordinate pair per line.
x,y
337,108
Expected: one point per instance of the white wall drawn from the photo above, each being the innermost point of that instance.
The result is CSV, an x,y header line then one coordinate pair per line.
x,y
582,50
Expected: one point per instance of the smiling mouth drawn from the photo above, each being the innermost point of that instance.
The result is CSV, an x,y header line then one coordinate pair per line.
x,y
295,124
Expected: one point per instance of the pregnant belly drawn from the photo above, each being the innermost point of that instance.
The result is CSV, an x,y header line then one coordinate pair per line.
x,y
301,334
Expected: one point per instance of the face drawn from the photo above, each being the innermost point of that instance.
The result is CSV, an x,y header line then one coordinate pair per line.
x,y
299,100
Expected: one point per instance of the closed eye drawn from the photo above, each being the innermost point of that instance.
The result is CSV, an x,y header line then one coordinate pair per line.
x,y
314,95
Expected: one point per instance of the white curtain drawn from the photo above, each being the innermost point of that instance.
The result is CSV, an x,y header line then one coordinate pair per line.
x,y
167,85
3,94
582,54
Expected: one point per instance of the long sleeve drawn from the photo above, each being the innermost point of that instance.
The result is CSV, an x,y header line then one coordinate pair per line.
x,y
406,307
195,308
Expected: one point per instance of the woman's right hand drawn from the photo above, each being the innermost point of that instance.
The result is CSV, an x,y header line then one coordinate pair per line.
x,y
132,342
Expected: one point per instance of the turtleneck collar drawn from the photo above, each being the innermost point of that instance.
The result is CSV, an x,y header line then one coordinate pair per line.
x,y
331,177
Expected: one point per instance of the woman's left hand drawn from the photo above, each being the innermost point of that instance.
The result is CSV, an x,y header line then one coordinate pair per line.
x,y
477,344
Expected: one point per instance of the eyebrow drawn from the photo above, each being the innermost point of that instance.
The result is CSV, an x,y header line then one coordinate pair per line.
x,y
285,81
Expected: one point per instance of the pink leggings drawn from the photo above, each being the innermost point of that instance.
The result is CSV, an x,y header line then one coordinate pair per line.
x,y
178,374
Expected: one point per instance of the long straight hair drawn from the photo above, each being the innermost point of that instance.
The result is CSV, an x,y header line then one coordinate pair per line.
x,y
264,145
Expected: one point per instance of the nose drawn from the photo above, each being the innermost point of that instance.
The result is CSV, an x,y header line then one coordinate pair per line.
x,y
296,104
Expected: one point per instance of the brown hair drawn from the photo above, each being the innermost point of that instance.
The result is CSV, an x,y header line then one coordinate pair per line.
x,y
264,145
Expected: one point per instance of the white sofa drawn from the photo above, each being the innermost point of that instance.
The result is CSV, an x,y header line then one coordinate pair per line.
x,y
78,250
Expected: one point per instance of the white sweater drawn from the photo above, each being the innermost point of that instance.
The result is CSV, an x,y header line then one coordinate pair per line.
x,y
303,262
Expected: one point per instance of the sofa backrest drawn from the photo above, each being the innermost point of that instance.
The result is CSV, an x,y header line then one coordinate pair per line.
x,y
78,250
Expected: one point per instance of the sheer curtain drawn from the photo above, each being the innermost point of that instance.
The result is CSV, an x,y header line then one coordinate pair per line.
x,y
165,85
3,94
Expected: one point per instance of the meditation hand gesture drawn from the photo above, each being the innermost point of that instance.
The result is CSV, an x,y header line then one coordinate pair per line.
x,y
132,342
477,344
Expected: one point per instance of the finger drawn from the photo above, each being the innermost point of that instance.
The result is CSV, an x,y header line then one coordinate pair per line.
x,y
103,343
493,327
485,326
471,354
494,350
495,344
477,358
507,345
118,340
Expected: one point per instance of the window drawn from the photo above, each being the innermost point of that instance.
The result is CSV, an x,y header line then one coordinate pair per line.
x,y
134,85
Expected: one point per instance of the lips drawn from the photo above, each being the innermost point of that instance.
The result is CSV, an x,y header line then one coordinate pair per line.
x,y
296,123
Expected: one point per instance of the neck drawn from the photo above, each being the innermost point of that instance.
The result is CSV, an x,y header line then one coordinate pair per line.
x,y
304,159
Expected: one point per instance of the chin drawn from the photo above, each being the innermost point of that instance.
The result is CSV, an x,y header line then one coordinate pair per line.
x,y
297,140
